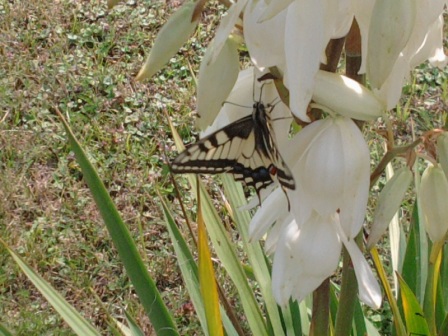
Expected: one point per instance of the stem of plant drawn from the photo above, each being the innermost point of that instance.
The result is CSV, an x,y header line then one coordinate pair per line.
x,y
348,297
321,310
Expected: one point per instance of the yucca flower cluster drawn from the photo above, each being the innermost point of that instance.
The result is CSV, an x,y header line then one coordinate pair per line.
x,y
329,157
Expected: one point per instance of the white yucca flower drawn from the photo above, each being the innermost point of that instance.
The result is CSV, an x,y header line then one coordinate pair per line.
x,y
425,42
329,158
277,34
330,161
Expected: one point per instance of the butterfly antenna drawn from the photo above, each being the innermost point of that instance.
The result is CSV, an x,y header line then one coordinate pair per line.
x,y
235,104
253,90
261,91
273,103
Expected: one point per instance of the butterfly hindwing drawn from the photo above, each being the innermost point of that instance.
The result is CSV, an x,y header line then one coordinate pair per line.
x,y
244,148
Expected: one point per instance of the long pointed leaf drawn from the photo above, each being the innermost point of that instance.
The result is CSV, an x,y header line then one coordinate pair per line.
x,y
412,273
227,254
415,320
133,263
4,331
398,321
78,323
255,253
189,271
207,280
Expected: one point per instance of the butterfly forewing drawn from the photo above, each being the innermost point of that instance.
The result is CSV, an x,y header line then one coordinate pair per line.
x,y
244,148
216,153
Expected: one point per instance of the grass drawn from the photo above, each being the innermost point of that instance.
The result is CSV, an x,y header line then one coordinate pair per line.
x,y
81,57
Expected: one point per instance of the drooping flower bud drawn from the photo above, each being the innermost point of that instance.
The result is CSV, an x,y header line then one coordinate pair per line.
x,y
433,196
216,80
346,97
389,201
171,37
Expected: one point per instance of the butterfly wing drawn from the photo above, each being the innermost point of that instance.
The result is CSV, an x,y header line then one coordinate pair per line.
x,y
244,148
266,144
231,149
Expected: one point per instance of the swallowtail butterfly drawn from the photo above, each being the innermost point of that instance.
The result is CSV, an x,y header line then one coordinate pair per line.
x,y
244,148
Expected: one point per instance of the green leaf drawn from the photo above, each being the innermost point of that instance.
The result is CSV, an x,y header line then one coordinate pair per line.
x,y
227,254
444,278
207,280
441,314
79,325
133,326
4,331
444,327
257,258
359,321
189,271
415,320
186,263
133,263
294,317
398,321
370,329
411,264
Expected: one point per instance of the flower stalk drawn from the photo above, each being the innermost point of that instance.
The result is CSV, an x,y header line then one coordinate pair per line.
x,y
320,323
347,299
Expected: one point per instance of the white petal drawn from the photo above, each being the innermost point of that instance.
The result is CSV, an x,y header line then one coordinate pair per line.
x,y
271,209
428,12
369,289
346,97
432,48
298,252
323,171
282,274
170,38
215,81
240,96
416,51
226,26
389,31
318,248
301,205
270,244
339,17
303,51
390,91
363,13
305,139
356,156
442,151
265,40
273,8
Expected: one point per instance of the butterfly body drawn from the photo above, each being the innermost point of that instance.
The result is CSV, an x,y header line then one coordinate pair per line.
x,y
244,148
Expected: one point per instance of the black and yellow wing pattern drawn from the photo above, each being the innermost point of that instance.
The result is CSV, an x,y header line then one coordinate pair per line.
x,y
244,148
